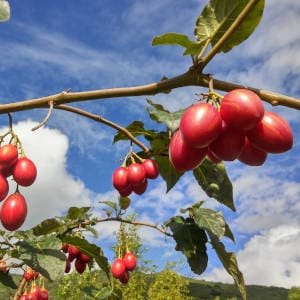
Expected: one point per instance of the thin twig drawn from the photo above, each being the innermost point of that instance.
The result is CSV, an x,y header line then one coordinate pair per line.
x,y
51,104
20,289
104,121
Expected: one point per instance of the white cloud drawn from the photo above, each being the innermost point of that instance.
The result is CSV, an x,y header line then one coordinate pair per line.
x,y
269,258
55,189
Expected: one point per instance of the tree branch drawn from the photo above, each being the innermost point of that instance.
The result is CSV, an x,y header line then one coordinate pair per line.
x,y
104,121
190,78
234,26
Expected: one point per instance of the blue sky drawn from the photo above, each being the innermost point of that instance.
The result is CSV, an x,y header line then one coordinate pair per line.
x,y
51,46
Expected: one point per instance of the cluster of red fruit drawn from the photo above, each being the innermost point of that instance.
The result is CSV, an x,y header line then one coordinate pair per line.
x,y
74,253
134,177
14,209
36,292
241,130
121,267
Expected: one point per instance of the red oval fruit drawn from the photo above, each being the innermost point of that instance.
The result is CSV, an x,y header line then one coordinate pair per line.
x,y
252,156
3,187
68,266
200,125
73,251
120,178
229,143
213,157
129,261
35,292
80,266
8,155
35,274
3,266
64,247
44,294
140,189
182,156
25,296
118,268
13,212
125,277
24,171
126,192
84,258
241,109
273,134
151,168
136,174
28,274
6,171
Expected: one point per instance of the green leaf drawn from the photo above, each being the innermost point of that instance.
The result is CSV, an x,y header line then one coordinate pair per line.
x,y
111,204
209,220
77,213
191,241
228,233
42,254
124,202
4,11
167,171
159,114
215,182
230,264
136,128
172,38
89,249
218,15
49,226
7,280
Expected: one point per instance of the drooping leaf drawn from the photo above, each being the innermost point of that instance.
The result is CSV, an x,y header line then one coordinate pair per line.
x,y
159,114
49,226
191,241
111,204
230,264
7,280
218,15
215,182
136,128
77,213
209,220
43,255
167,171
228,233
4,11
89,249
172,38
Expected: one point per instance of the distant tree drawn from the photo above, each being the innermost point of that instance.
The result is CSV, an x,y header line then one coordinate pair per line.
x,y
294,293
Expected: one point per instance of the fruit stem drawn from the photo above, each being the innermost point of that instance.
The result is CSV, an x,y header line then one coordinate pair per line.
x,y
138,157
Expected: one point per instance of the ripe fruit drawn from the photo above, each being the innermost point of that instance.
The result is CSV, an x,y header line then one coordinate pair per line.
x,y
24,172
252,156
200,125
129,261
80,266
151,168
126,191
3,266
35,292
44,294
84,258
64,247
25,296
8,155
182,156
6,171
73,251
28,274
120,178
3,187
241,109
13,212
272,134
118,268
141,188
125,277
228,144
68,266
136,174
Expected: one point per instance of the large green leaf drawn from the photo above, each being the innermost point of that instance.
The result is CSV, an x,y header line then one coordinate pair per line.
x,y
215,182
209,220
167,171
218,15
77,213
159,114
136,128
7,280
91,250
50,225
42,254
230,264
4,11
191,241
178,39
